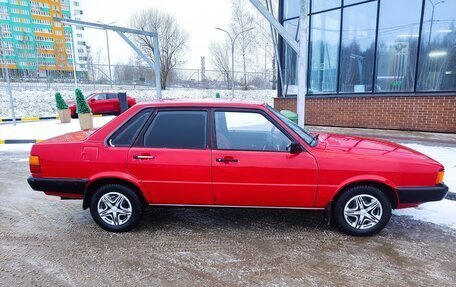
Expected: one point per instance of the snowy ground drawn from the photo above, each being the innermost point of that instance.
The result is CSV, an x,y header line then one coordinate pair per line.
x,y
44,129
41,102
442,213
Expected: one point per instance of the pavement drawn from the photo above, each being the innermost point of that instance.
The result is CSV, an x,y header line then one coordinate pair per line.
x,y
48,242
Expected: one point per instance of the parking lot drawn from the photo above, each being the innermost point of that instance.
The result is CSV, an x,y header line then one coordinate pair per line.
x,y
45,241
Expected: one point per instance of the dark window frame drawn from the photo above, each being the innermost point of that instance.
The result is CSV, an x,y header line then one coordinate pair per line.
x,y
139,142
125,124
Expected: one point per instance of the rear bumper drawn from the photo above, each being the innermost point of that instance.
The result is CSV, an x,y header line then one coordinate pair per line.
x,y
422,194
57,185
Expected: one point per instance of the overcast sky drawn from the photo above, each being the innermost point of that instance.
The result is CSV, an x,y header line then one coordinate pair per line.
x,y
198,17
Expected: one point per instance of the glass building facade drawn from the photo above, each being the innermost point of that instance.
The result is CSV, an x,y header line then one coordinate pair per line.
x,y
373,47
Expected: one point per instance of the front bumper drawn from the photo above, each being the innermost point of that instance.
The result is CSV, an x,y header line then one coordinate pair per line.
x,y
422,194
58,185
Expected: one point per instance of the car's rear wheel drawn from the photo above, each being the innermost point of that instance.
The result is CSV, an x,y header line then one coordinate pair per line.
x,y
116,208
362,211
74,116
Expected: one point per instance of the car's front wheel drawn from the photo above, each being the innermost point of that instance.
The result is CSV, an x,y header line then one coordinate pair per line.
x,y
116,208
362,211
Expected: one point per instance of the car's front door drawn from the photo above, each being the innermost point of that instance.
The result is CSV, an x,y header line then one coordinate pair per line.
x,y
251,165
99,104
172,158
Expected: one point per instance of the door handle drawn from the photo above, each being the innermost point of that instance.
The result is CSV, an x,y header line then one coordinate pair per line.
x,y
144,157
225,160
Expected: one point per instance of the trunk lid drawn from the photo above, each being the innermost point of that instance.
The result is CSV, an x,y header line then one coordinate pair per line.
x,y
71,137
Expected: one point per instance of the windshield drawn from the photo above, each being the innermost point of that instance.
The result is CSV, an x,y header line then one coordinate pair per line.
x,y
302,132
87,97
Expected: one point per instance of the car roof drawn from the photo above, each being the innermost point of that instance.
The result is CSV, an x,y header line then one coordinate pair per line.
x,y
202,103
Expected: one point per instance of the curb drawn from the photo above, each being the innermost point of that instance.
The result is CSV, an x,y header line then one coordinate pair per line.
x,y
36,119
451,196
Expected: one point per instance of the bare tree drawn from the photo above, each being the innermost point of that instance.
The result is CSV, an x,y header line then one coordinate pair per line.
x,y
220,59
241,20
265,46
172,39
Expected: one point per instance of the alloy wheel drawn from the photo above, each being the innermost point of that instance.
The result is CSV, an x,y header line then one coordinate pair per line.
x,y
363,211
114,208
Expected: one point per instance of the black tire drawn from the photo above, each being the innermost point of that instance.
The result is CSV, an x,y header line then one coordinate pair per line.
x,y
362,221
113,191
74,116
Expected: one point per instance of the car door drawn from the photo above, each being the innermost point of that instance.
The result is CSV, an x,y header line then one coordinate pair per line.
x,y
99,104
113,103
251,165
172,158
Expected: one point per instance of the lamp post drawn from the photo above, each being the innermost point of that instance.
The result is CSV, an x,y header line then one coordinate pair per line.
x,y
432,17
109,56
8,85
233,41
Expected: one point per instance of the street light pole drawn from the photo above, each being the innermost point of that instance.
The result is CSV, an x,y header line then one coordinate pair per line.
x,y
233,42
109,56
74,58
8,84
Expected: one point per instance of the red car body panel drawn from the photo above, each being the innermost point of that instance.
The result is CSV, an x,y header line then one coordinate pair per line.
x,y
105,106
310,179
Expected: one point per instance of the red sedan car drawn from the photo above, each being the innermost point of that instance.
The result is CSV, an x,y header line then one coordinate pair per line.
x,y
230,154
102,103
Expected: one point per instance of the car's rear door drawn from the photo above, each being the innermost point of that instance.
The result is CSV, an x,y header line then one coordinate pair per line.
x,y
252,167
172,157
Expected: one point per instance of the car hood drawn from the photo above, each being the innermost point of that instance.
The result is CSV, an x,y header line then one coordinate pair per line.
x,y
369,146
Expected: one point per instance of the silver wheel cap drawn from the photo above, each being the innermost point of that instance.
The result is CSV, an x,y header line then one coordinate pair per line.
x,y
363,211
114,208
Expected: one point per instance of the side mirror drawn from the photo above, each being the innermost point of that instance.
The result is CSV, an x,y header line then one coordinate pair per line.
x,y
92,100
294,148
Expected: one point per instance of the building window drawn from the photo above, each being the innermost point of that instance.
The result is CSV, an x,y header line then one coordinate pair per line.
x,y
437,61
397,45
321,5
358,48
324,52
290,60
291,9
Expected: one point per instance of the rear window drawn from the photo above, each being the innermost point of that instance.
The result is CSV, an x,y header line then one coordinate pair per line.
x,y
177,129
126,135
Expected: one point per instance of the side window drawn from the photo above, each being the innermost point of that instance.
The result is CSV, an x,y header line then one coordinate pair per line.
x,y
100,97
248,131
177,129
111,96
129,131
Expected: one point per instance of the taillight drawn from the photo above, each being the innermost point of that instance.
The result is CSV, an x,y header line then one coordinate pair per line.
x,y
34,162
440,176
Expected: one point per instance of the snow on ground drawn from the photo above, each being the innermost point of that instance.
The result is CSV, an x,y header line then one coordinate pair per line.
x,y
443,154
442,212
41,102
44,129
